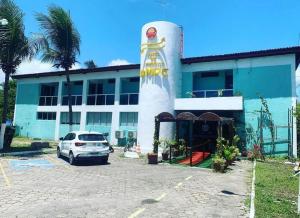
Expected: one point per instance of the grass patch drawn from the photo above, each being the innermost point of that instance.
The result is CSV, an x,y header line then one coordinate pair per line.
x,y
24,144
276,190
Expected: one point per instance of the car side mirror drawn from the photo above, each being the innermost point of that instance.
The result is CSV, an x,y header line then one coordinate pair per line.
x,y
105,134
61,138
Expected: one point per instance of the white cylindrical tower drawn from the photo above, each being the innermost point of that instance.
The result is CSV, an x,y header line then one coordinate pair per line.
x,y
159,78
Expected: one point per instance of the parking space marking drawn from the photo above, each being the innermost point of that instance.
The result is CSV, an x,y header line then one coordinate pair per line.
x,y
29,163
137,212
188,178
58,162
161,197
4,175
178,185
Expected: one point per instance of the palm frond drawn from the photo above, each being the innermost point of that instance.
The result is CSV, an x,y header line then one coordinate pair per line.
x,y
62,36
15,45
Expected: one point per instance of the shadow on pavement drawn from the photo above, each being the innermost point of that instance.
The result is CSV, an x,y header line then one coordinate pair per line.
x,y
86,162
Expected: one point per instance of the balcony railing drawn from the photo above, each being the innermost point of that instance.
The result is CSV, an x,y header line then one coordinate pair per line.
x,y
48,101
76,100
212,93
101,99
129,98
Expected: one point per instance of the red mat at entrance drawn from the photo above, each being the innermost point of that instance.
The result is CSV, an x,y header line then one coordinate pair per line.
x,y
197,157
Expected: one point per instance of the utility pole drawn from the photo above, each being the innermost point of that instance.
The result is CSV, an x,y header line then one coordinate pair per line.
x,y
3,24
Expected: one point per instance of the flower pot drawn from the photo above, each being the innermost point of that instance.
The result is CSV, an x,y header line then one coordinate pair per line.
x,y
219,167
165,156
152,159
176,153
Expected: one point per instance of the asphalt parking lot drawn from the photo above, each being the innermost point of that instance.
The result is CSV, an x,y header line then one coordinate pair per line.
x,y
44,186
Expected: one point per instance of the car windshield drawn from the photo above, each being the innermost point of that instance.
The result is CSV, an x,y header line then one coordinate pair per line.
x,y
91,137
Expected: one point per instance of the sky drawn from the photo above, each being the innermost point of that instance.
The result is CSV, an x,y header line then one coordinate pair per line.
x,y
111,29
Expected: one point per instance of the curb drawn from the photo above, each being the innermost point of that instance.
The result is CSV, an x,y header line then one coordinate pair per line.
x,y
252,206
27,152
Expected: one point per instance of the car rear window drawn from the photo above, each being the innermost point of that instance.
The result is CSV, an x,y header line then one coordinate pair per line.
x,y
91,137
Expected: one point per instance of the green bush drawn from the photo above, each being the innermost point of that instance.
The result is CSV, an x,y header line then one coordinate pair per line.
x,y
226,152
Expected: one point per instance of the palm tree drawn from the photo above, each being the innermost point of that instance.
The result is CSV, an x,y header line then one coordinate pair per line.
x,y
90,64
59,43
14,48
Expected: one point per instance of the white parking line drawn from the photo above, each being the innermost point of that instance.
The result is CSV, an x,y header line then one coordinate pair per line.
x,y
161,197
188,178
137,212
4,175
178,185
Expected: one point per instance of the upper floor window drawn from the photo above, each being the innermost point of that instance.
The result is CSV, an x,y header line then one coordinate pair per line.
x,y
101,92
209,74
212,84
76,93
228,80
129,92
48,94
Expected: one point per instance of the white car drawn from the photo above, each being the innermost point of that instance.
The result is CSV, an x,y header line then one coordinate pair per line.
x,y
82,144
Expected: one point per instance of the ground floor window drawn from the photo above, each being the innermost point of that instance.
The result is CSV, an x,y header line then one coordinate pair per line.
x,y
99,118
46,115
128,118
64,118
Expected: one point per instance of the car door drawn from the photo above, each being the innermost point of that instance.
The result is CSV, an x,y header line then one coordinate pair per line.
x,y
69,142
64,143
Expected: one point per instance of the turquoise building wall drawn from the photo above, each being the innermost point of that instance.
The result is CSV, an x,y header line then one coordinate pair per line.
x,y
64,129
273,83
26,114
187,85
125,127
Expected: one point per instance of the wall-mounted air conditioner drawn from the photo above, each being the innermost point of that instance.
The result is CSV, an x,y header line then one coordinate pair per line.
x,y
119,134
132,134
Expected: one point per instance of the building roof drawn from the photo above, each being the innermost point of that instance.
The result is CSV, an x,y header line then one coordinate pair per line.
x,y
191,60
242,55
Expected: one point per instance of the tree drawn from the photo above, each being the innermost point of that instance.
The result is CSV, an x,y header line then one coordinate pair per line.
x,y
59,43
90,64
11,99
14,48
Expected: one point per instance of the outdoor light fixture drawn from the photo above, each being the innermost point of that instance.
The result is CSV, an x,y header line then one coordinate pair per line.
x,y
3,22
3,28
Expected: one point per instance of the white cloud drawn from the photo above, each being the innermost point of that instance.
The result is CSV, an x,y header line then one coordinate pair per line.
x,y
36,66
118,61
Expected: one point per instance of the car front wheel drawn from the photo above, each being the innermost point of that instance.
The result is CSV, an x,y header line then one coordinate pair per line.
x,y
72,159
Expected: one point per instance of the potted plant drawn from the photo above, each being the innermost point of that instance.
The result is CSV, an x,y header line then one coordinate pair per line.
x,y
182,146
153,156
165,146
219,164
175,147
